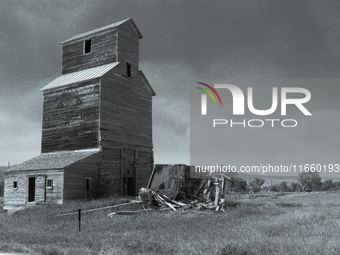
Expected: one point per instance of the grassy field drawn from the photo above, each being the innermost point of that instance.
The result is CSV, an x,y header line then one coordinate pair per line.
x,y
263,223
277,179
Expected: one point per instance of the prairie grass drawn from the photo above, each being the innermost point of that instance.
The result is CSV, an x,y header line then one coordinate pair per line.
x,y
296,223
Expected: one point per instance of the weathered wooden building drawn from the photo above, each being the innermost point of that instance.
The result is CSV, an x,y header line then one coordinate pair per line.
x,y
96,125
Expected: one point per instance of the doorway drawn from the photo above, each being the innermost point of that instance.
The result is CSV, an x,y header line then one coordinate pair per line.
x,y
129,187
87,188
31,189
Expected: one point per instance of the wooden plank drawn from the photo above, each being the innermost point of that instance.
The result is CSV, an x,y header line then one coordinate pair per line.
x,y
135,171
226,188
135,203
121,171
208,184
151,177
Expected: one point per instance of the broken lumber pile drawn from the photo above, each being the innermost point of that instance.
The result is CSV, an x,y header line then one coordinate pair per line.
x,y
208,194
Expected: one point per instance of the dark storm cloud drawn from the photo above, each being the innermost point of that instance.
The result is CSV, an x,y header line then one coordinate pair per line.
x,y
286,34
182,41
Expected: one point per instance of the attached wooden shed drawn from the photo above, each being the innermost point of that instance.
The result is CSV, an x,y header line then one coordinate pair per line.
x,y
52,177
97,120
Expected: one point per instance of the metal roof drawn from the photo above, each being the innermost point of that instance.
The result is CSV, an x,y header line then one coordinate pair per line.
x,y
83,75
101,29
53,160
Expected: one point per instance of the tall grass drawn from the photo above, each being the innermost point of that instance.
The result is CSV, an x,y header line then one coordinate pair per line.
x,y
286,225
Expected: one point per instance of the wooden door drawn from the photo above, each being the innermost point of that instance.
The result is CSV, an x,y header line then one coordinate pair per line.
x,y
31,189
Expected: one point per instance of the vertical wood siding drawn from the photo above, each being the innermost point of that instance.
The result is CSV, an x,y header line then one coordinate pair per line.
x,y
128,47
126,119
126,110
111,171
135,164
76,174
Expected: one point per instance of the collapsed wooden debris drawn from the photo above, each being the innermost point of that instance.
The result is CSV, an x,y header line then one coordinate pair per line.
x,y
211,199
209,195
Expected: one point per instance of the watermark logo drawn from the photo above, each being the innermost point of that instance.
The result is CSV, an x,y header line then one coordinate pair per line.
x,y
238,99
295,96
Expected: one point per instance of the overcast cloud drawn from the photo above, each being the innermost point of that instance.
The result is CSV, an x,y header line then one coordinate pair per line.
x,y
182,41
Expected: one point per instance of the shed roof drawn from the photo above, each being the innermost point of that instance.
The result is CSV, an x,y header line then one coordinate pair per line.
x,y
83,75
102,29
54,160
147,84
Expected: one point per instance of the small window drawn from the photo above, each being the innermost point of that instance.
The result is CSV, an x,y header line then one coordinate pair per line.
x,y
15,185
49,184
128,69
87,46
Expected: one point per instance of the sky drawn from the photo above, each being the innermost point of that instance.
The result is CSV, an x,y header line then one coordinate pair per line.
x,y
183,41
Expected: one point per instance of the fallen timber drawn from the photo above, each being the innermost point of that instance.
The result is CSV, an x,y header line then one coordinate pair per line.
x,y
209,194
208,197
132,203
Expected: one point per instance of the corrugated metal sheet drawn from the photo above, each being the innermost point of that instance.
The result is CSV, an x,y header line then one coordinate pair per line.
x,y
83,75
55,160
101,29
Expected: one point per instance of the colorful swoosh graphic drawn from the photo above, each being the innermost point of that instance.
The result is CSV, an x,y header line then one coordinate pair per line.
x,y
213,90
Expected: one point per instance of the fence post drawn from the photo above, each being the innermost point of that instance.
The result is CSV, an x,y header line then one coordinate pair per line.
x,y
79,218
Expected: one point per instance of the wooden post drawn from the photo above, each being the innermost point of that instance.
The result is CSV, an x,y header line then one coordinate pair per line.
x,y
151,177
209,191
45,189
222,188
207,187
217,192
99,170
135,174
226,187
121,171
79,218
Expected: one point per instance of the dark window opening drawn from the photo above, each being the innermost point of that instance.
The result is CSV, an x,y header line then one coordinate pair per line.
x,y
87,46
128,69
87,188
87,184
15,185
49,184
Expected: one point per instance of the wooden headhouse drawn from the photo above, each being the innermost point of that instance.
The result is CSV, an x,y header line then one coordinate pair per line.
x,y
96,125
